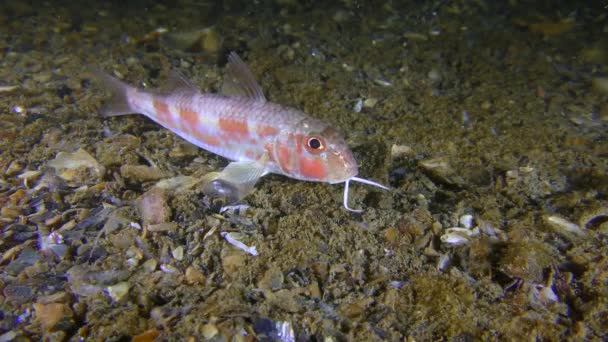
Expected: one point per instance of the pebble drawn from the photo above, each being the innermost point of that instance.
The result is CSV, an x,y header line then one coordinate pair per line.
x,y
146,336
398,151
153,207
485,105
178,253
48,315
118,291
233,262
142,173
194,276
42,77
150,265
210,330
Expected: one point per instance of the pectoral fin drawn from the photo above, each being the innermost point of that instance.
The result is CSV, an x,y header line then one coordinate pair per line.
x,y
235,181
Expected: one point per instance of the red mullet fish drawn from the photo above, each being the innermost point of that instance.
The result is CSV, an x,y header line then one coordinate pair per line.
x,y
258,136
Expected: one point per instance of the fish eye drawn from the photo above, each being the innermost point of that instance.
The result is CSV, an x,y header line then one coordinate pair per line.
x,y
314,144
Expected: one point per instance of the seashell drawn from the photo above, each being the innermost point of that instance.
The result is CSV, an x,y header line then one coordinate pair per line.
x,y
455,238
560,225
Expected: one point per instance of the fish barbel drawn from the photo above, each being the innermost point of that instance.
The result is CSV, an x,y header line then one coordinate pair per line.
x,y
258,136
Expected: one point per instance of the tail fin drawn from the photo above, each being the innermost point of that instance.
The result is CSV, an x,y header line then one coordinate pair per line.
x,y
118,104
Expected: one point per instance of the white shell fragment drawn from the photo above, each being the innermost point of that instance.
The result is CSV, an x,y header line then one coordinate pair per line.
x,y
561,225
238,244
358,106
235,208
466,221
444,262
455,239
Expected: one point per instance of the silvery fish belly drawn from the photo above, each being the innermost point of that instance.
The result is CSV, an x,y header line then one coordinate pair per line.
x,y
259,136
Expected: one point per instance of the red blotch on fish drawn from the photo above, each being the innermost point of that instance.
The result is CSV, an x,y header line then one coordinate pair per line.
x,y
312,168
234,129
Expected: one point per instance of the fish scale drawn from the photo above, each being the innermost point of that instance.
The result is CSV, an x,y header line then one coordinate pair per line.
x,y
258,136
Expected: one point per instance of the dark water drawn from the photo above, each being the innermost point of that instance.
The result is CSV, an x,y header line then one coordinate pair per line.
x,y
488,120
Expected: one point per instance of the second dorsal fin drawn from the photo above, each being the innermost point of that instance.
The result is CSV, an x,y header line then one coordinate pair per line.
x,y
239,80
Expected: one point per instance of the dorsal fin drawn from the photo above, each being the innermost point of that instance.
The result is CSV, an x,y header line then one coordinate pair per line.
x,y
177,82
239,80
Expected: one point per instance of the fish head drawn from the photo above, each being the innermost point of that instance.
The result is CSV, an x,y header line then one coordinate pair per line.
x,y
315,152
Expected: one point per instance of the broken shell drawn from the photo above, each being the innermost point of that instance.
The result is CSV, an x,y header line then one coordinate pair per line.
x,y
68,165
463,231
444,262
560,225
455,238
29,176
595,218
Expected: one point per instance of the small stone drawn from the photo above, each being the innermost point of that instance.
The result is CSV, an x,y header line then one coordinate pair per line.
x,y
272,280
162,227
370,102
233,262
415,36
209,331
178,253
48,315
42,77
391,235
142,173
118,291
194,276
146,336
352,310
398,151
150,265
153,207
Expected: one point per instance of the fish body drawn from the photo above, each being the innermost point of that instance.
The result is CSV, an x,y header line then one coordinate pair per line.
x,y
259,136
244,129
